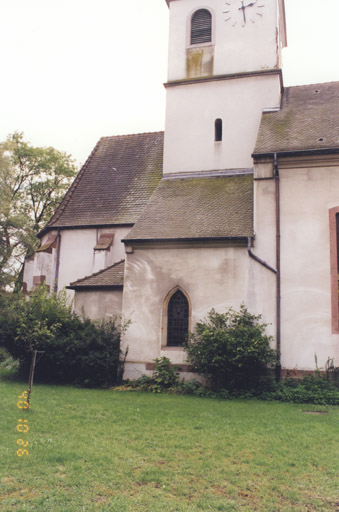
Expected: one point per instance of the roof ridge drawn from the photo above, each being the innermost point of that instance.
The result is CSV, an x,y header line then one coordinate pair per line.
x,y
221,173
100,194
132,134
311,85
73,187
97,273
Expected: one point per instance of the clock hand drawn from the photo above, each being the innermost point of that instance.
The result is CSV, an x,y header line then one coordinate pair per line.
x,y
242,8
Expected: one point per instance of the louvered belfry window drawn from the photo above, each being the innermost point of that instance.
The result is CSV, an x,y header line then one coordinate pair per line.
x,y
177,320
201,27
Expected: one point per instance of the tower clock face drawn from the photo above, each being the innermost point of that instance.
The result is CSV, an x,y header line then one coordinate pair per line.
x,y
243,12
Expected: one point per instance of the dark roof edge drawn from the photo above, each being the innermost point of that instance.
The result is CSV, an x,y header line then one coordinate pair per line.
x,y
84,226
88,287
298,152
232,76
190,239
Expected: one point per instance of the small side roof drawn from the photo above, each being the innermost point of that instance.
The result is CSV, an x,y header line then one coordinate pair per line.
x,y
308,120
110,277
218,207
115,183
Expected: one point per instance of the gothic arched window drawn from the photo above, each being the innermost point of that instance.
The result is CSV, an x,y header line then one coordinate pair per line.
x,y
201,27
177,319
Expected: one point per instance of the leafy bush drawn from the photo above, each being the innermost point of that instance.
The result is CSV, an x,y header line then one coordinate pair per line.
x,y
3,354
190,387
332,372
312,389
76,350
231,349
165,375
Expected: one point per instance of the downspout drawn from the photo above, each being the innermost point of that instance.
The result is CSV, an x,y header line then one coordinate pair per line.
x,y
278,302
256,258
57,263
276,270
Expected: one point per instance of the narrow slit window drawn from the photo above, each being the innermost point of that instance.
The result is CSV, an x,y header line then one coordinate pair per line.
x,y
201,27
177,321
218,130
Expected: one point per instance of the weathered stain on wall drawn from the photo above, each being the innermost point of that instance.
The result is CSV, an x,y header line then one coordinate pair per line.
x,y
199,62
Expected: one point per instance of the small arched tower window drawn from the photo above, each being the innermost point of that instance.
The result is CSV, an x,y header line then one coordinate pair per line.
x,y
177,319
218,130
201,27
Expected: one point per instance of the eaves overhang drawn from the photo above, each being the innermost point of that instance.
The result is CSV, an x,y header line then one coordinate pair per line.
x,y
295,153
228,76
95,287
129,241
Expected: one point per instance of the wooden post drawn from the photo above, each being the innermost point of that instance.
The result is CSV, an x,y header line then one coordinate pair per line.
x,y
31,375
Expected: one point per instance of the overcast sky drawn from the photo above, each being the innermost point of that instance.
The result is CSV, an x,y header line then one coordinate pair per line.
x,y
76,70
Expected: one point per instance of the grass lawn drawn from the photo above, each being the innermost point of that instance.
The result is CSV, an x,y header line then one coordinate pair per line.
x,y
127,451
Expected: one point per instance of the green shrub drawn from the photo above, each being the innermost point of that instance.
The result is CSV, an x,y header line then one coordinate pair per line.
x,y
189,387
76,350
332,372
165,375
231,349
312,389
144,383
3,354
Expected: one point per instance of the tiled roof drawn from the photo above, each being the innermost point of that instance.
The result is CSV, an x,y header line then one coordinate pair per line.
x,y
308,120
110,277
198,208
115,183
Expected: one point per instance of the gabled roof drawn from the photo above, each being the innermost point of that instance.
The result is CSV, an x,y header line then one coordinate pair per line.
x,y
214,207
110,277
115,183
307,121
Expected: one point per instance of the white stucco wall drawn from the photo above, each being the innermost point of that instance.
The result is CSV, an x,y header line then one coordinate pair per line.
x,y
28,273
43,264
236,48
77,256
218,277
98,304
307,193
191,112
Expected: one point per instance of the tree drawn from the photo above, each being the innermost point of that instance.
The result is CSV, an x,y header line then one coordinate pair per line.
x,y
76,349
231,349
33,181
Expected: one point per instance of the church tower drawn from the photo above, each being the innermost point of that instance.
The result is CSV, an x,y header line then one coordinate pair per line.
x,y
223,71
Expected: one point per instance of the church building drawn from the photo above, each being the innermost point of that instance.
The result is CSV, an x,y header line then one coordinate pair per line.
x,y
236,202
